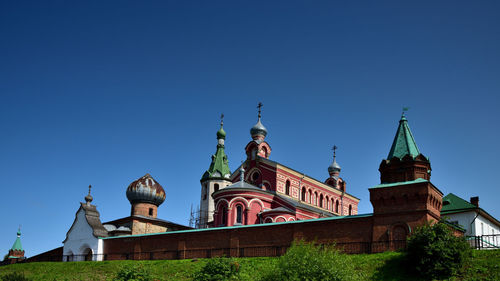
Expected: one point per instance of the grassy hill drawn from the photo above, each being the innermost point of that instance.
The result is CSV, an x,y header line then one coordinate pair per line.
x,y
485,265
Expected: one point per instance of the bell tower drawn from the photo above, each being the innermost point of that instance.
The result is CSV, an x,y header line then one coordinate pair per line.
x,y
216,177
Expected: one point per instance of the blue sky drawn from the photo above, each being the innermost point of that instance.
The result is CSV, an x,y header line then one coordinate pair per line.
x,y
102,93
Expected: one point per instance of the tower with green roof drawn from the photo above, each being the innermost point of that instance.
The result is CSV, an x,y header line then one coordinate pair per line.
x,y
404,162
405,198
216,177
16,252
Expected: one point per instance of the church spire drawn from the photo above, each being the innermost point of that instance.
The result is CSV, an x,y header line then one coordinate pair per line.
x,y
404,143
219,167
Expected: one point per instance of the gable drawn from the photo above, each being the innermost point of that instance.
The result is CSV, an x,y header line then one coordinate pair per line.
x,y
80,229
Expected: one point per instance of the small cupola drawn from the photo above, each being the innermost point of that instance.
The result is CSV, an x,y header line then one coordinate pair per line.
x,y
258,131
334,168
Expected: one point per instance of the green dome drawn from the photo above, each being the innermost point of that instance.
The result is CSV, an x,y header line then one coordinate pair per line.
x,y
221,134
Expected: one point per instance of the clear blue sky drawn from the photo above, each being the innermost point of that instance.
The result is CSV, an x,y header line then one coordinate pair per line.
x,y
102,92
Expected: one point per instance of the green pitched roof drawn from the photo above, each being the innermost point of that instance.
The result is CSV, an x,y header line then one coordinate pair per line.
x,y
451,203
17,245
219,168
404,143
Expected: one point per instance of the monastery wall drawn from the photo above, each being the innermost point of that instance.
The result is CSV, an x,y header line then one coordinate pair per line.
x,y
243,240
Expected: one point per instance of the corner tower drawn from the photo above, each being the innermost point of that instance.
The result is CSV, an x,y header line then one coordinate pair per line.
x,y
16,252
215,178
405,198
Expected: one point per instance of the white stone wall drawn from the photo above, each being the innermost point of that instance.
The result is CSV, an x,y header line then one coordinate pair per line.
x,y
477,227
80,239
207,206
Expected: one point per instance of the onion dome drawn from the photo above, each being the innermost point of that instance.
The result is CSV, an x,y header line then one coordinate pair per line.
x,y
146,190
334,167
258,129
221,134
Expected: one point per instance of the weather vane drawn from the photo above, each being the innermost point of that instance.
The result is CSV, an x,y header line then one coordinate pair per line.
x,y
405,109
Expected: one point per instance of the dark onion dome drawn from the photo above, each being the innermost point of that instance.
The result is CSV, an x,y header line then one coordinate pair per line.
x,y
258,130
146,190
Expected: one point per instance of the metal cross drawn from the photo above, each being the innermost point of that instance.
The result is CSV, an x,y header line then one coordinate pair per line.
x,y
260,108
222,119
334,148
90,186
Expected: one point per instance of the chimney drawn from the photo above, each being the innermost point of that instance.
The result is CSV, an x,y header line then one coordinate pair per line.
x,y
475,201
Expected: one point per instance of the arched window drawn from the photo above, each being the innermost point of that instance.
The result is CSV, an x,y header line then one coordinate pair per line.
x,y
332,204
303,194
337,206
287,188
239,214
310,197
216,187
315,198
350,210
321,201
327,203
224,216
205,188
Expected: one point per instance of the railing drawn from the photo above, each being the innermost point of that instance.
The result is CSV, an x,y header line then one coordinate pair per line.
x,y
253,251
484,242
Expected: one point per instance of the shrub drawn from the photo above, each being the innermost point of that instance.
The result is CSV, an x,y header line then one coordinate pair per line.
x,y
434,252
219,268
133,273
14,276
306,261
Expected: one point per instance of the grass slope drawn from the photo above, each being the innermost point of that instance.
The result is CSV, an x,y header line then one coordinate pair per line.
x,y
485,265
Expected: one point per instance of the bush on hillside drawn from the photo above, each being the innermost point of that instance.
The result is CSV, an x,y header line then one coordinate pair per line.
x,y
434,252
219,268
14,276
133,273
306,261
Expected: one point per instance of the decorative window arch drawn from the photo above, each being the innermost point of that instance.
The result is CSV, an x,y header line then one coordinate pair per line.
x,y
268,220
310,197
303,194
321,200
315,198
336,206
287,187
327,203
224,215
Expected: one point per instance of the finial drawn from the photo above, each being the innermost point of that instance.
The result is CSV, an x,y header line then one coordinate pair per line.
x,y
260,108
242,172
221,120
19,231
334,148
405,109
89,198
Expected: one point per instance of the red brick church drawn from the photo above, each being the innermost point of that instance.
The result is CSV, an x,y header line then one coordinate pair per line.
x,y
265,191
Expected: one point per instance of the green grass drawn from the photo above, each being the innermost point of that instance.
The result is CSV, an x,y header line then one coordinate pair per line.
x,y
485,265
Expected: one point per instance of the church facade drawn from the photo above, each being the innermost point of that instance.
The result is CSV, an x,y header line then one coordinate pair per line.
x,y
265,191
